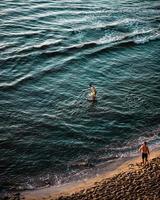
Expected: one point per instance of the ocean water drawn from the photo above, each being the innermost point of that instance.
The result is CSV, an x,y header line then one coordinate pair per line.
x,y
49,53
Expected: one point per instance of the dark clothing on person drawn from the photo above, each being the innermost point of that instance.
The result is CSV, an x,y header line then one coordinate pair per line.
x,y
145,156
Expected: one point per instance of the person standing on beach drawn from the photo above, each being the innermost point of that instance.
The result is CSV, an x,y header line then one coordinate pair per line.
x,y
145,152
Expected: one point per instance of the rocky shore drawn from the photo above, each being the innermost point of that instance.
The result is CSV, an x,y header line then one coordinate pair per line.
x,y
131,181
138,183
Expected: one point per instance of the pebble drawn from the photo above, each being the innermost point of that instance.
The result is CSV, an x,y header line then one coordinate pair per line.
x,y
139,184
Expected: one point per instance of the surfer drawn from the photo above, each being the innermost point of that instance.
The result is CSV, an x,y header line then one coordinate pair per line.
x,y
93,92
145,152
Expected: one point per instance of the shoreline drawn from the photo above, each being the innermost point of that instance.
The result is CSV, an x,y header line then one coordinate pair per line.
x,y
54,192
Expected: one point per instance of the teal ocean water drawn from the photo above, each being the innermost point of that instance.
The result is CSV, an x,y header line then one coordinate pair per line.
x,y
49,53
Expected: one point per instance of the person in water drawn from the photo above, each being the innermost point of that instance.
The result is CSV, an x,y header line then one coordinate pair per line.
x,y
93,92
145,152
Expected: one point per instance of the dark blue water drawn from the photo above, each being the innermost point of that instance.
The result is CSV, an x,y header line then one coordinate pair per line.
x,y
49,52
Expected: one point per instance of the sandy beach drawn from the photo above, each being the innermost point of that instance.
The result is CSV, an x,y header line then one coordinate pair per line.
x,y
130,180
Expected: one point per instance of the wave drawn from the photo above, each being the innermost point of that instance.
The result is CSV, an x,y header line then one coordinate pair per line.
x,y
42,46
27,52
124,40
29,77
104,44
136,37
70,49
34,77
4,47
4,86
14,60
143,40
117,25
128,149
25,33
122,37
131,147
99,46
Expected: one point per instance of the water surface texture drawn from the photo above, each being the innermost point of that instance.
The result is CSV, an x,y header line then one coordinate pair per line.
x,y
49,53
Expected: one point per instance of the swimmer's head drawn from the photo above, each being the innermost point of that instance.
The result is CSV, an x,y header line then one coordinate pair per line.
x,y
145,143
90,85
